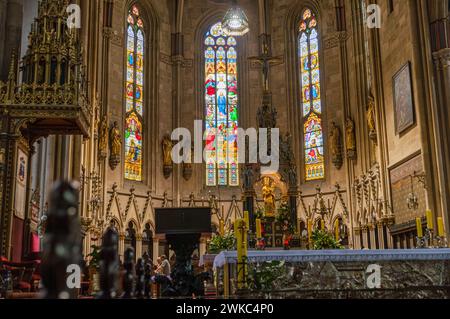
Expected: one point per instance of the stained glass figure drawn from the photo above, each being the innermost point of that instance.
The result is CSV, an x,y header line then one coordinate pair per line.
x,y
222,106
308,42
134,95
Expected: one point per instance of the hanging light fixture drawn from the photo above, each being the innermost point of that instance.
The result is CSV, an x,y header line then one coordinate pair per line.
x,y
235,22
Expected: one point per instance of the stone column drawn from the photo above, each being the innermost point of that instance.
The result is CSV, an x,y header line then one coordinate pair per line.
x,y
121,245
155,249
439,15
2,31
12,34
138,246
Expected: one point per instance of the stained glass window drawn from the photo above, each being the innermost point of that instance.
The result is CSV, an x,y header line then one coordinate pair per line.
x,y
311,99
134,98
221,115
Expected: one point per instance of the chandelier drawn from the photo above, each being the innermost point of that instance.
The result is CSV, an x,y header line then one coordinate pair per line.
x,y
235,22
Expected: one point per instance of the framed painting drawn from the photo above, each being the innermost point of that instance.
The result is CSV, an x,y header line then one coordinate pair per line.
x,y
404,111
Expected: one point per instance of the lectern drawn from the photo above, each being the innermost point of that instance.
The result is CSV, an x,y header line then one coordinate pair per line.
x,y
182,228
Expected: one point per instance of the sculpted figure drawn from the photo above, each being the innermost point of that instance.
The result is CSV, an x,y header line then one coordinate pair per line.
x,y
116,145
350,140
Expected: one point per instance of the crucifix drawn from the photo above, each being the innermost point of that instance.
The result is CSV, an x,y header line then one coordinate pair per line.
x,y
266,60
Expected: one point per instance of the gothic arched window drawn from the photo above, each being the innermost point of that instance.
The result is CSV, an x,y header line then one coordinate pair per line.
x,y
134,84
308,50
221,103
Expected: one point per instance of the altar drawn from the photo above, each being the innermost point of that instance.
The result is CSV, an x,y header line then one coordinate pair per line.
x,y
342,274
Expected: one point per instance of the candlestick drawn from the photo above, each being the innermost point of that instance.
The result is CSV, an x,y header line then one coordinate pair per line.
x,y
430,224
247,220
221,228
322,224
241,243
309,229
441,232
258,228
419,227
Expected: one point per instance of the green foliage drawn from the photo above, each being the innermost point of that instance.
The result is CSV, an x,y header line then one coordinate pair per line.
x,y
259,214
94,261
283,217
219,243
324,240
267,276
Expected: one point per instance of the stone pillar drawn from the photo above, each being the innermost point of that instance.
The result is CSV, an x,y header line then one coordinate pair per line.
x,y
121,245
13,34
155,249
138,246
293,209
2,32
440,46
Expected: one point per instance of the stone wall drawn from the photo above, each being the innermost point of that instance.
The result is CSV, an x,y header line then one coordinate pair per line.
x,y
400,178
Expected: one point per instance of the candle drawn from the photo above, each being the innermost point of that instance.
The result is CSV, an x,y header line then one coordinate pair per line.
x,y
322,224
419,227
236,228
221,228
441,232
430,223
258,228
309,229
336,229
247,220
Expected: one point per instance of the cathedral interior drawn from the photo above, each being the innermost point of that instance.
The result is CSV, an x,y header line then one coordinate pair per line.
x,y
359,92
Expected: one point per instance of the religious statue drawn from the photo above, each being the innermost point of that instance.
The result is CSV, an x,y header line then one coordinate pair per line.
x,y
268,192
286,152
103,138
115,139
350,140
336,145
167,146
187,167
248,175
370,114
267,116
292,176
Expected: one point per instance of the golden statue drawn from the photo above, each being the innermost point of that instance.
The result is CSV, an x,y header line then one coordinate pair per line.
x,y
268,192
167,146
116,145
335,145
350,139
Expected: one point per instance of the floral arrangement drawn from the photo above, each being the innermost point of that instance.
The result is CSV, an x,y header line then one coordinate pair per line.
x,y
323,240
220,243
283,217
